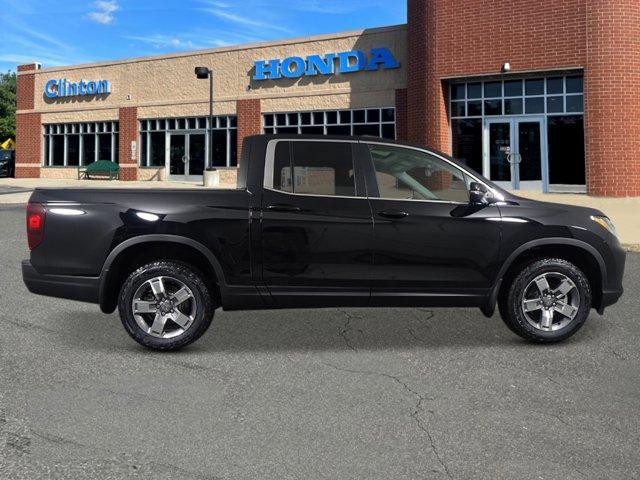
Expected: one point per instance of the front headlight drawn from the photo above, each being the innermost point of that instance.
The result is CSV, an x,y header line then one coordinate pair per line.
x,y
605,223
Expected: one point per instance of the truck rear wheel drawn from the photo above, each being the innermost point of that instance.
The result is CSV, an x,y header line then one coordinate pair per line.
x,y
165,305
548,301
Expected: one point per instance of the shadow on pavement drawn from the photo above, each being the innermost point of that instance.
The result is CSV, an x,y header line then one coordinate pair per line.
x,y
317,330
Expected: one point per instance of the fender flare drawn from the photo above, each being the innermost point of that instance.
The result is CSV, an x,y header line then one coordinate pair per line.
x,y
166,238
492,299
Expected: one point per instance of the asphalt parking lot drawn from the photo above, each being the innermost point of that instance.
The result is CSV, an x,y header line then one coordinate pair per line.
x,y
335,394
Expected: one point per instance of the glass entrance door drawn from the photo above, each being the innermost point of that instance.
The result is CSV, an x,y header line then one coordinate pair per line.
x,y
187,156
177,156
514,153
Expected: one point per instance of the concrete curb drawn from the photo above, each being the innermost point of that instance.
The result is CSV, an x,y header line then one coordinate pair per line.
x,y
629,247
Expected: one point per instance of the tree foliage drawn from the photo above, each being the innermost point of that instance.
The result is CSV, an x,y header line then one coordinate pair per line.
x,y
7,106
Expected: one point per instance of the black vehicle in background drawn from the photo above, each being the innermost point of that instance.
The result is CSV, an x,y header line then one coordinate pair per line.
x,y
7,163
324,222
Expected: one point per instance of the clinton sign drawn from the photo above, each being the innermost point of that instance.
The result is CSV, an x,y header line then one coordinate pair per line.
x,y
328,64
64,88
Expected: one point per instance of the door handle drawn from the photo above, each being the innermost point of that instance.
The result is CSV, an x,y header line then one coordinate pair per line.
x,y
393,214
284,208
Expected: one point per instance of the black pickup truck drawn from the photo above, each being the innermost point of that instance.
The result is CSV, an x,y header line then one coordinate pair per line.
x,y
323,222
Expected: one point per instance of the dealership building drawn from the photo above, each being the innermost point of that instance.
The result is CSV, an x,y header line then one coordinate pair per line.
x,y
534,95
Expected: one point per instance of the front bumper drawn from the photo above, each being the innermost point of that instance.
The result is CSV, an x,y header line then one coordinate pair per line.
x,y
83,289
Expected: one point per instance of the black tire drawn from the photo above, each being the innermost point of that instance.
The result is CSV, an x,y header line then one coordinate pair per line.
x,y
201,298
511,307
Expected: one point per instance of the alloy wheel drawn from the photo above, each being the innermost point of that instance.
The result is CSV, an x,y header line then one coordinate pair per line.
x,y
164,307
550,301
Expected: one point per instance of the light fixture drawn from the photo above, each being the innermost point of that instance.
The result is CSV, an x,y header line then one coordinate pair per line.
x,y
506,67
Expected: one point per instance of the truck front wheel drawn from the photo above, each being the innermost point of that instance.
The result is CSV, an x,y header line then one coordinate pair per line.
x,y
165,305
547,301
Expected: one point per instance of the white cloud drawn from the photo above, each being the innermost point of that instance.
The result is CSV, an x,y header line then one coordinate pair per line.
x,y
164,41
245,21
104,10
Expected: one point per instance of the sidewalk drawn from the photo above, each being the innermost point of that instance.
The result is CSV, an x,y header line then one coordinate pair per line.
x,y
24,186
624,212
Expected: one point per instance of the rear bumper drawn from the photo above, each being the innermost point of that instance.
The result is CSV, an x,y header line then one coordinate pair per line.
x,y
83,289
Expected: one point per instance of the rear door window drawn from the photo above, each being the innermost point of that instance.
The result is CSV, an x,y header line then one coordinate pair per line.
x,y
312,168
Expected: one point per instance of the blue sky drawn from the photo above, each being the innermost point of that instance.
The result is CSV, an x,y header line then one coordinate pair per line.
x,y
66,33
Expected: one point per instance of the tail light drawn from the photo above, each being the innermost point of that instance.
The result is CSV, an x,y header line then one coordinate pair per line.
x,y
35,224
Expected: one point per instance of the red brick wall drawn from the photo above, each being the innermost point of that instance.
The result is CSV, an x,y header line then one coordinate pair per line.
x,y
612,93
401,114
449,38
249,120
25,90
28,127
128,118
474,37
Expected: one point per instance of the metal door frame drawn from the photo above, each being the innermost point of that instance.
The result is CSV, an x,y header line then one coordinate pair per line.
x,y
513,123
187,134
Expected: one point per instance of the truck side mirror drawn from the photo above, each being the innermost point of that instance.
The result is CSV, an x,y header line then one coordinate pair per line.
x,y
479,195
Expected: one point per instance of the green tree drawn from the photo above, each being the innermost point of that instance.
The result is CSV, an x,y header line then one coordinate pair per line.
x,y
7,106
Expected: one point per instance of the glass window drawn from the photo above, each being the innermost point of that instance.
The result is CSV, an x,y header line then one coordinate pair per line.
x,y
373,115
157,149
467,142
406,174
513,88
372,130
73,150
457,109
345,116
534,86
281,168
389,131
379,122
104,147
233,147
339,130
57,157
457,92
359,116
323,168
474,108
555,86
555,104
492,89
575,84
88,149
566,149
474,90
575,103
493,107
512,106
534,105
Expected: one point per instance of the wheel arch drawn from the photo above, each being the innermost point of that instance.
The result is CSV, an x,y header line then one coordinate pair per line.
x,y
137,251
583,255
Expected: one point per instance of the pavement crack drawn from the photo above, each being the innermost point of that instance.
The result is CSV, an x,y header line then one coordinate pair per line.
x,y
346,328
415,414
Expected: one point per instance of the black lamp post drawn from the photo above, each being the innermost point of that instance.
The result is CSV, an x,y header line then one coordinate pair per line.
x,y
204,73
